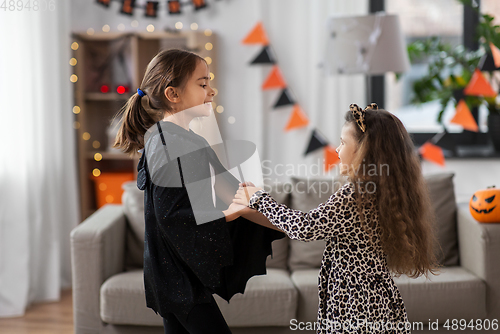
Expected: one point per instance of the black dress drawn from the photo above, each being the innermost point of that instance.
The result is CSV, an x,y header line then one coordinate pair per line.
x,y
190,251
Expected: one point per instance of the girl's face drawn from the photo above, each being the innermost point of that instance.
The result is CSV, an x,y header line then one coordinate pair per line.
x,y
347,148
197,95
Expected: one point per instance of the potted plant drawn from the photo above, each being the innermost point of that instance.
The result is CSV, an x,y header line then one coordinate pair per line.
x,y
451,68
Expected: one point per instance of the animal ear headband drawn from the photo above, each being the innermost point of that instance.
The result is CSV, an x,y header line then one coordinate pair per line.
x,y
359,114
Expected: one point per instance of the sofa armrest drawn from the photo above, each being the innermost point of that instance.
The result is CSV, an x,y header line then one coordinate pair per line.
x,y
479,246
97,252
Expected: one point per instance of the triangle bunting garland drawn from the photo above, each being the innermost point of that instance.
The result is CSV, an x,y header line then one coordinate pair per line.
x,y
331,157
264,57
284,99
317,141
464,117
495,52
479,86
274,79
297,120
257,36
432,153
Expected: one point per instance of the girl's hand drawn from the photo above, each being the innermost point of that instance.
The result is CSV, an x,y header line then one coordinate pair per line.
x,y
234,211
243,195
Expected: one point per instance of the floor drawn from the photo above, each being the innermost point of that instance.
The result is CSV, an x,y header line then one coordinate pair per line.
x,y
43,318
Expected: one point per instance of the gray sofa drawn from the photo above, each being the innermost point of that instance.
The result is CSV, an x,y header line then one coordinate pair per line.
x,y
108,292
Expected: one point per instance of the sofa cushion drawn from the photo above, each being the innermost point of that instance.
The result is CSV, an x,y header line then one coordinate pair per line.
x,y
442,195
123,301
454,293
269,300
307,194
306,281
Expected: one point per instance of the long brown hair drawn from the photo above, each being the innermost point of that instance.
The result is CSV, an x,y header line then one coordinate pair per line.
x,y
168,68
399,189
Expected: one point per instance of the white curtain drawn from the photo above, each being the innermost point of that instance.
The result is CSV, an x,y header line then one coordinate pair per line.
x,y
38,189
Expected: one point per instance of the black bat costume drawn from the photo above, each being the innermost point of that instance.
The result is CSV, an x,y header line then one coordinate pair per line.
x,y
186,262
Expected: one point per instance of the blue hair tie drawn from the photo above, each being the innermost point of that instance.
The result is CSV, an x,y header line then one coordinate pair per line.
x,y
140,92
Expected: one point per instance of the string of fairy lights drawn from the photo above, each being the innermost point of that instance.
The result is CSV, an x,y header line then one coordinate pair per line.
x,y
121,92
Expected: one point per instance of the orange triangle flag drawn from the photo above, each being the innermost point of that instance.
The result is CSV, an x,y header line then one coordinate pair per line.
x,y
464,117
495,52
479,86
274,79
331,157
432,153
298,119
257,36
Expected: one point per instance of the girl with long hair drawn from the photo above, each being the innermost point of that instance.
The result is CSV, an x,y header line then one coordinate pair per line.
x,y
377,225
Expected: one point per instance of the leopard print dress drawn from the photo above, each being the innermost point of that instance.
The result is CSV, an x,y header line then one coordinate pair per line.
x,y
357,293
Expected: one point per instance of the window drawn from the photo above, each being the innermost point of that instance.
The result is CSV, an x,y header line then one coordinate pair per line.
x,y
421,20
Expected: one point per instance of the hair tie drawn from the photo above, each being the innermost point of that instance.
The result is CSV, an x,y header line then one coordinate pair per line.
x,y
140,92
359,114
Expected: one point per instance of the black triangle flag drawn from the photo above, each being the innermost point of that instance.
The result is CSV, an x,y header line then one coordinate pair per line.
x,y
284,99
264,57
317,141
487,63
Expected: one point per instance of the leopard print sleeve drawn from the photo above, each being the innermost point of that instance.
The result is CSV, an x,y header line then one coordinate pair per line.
x,y
320,223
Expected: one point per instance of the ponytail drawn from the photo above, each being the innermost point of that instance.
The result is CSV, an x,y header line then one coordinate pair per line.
x,y
135,121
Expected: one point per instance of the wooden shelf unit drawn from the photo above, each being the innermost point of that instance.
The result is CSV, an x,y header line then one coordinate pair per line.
x,y
97,109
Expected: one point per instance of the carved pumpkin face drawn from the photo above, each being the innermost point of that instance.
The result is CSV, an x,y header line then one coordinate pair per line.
x,y
484,205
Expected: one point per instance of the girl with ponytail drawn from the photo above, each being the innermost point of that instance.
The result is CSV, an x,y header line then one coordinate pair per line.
x,y
196,240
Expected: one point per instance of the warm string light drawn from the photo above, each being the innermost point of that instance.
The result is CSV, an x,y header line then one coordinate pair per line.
x,y
76,110
220,109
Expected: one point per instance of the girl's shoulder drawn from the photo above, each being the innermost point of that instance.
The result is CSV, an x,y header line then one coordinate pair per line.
x,y
346,191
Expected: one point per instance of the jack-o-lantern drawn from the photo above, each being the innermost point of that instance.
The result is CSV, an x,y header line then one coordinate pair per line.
x,y
485,205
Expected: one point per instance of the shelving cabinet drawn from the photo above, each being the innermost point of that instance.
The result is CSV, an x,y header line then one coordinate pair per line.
x,y
108,68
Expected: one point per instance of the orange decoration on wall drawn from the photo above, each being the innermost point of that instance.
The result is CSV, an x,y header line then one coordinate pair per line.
x,y
274,79
479,86
464,117
495,52
331,157
297,120
257,36
432,153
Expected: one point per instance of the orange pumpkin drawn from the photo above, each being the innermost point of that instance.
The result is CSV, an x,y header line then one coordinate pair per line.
x,y
484,205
